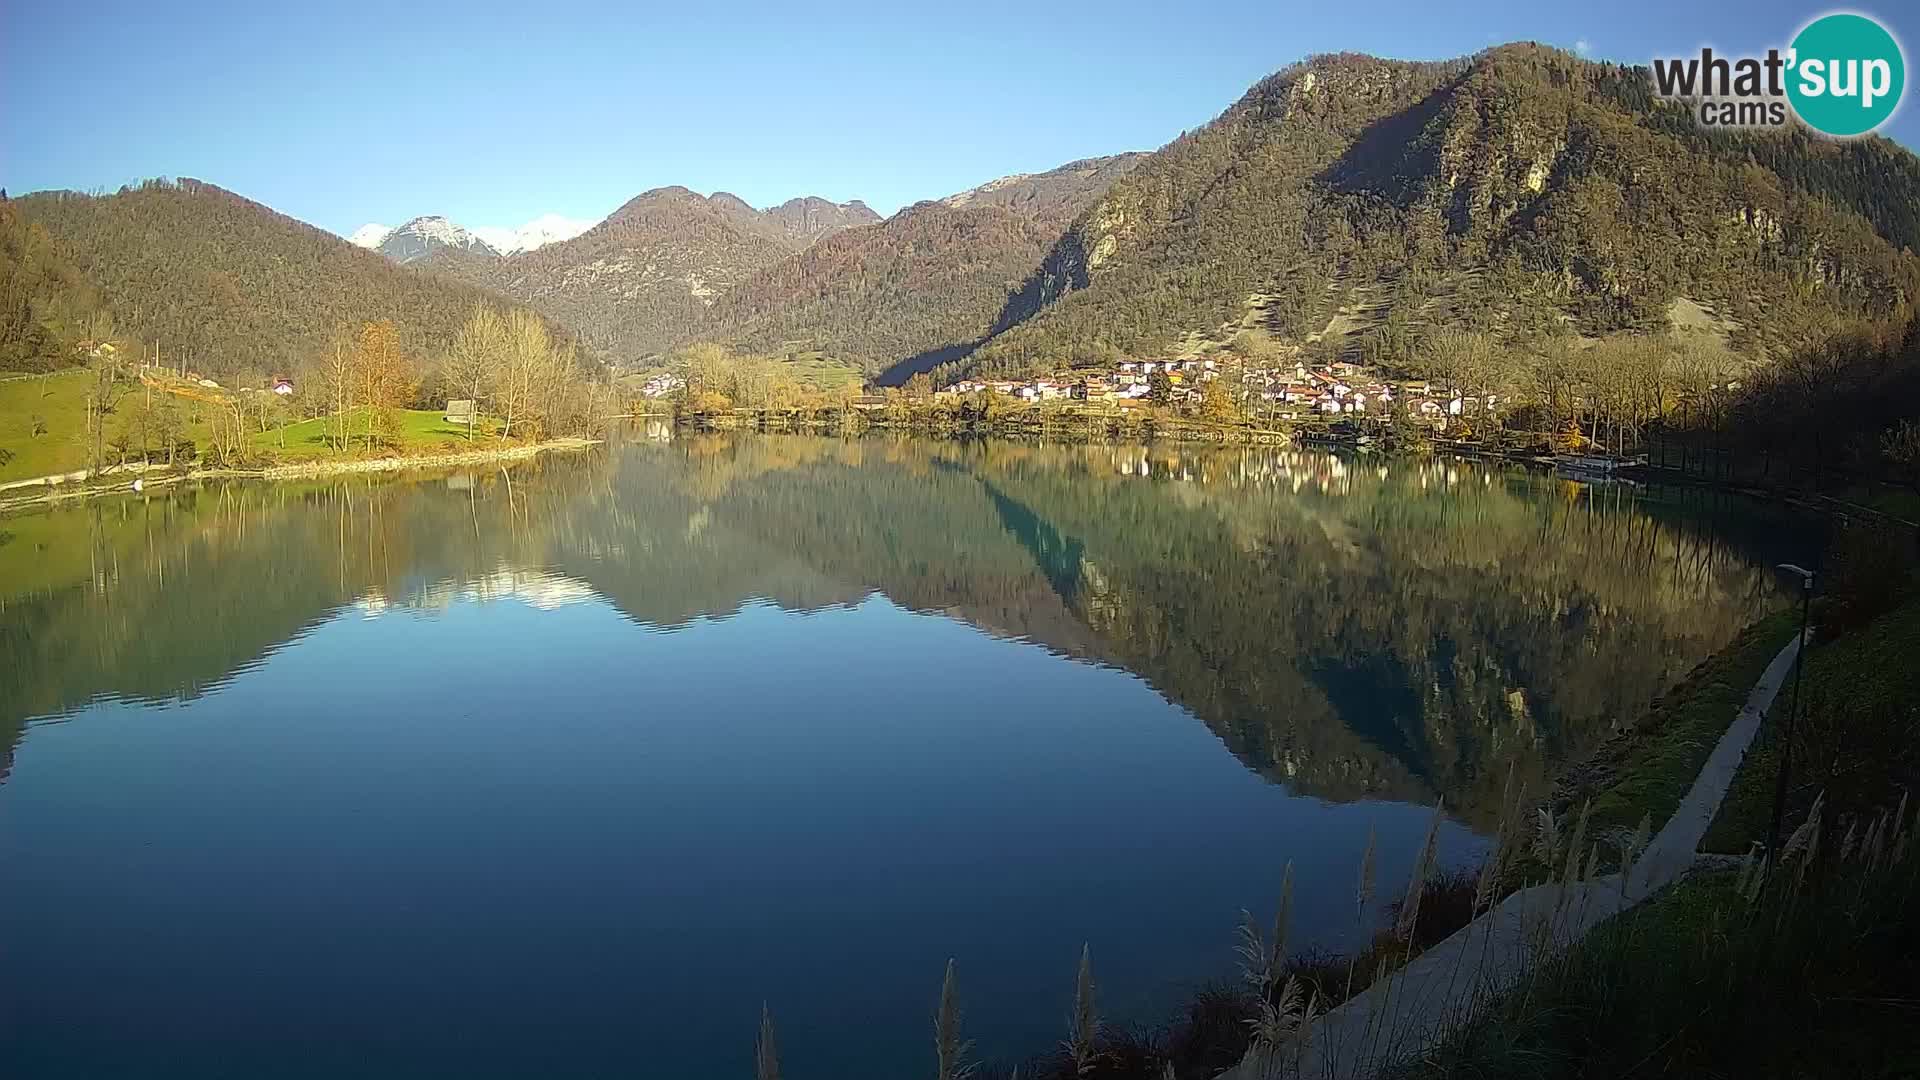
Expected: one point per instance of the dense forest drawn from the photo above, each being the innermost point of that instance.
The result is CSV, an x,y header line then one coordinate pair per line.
x,y
223,283
47,308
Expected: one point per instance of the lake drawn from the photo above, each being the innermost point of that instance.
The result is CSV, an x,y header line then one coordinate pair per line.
x,y
565,768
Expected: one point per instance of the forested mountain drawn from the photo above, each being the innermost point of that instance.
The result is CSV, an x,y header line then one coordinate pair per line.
x,y
910,291
922,287
644,278
1523,191
1346,204
807,276
225,282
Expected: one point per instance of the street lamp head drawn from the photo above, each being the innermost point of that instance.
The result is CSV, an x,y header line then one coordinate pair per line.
x,y
1806,575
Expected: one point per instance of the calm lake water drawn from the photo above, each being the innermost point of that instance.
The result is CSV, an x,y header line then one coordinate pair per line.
x,y
565,768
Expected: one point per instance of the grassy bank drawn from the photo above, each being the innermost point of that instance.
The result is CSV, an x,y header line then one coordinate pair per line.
x,y
42,425
1808,973
1856,739
1801,964
437,455
44,429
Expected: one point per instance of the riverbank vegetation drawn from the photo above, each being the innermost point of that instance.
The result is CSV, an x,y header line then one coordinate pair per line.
x,y
364,396
1806,970
1833,420
1645,768
709,387
1856,737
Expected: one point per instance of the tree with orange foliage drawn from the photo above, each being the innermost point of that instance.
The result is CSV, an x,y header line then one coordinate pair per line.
x,y
382,376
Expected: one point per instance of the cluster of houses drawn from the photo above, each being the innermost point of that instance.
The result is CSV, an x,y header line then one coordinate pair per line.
x,y
1129,380
1335,389
661,385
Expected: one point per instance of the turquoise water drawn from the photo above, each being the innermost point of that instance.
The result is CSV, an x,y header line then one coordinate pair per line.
x,y
565,769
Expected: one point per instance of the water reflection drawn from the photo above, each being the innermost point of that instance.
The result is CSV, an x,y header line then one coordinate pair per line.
x,y
1351,627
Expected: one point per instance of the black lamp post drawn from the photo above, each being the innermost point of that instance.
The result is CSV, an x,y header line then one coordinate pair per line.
x,y
1793,709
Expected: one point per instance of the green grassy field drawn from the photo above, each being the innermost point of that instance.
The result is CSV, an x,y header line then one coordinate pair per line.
x,y
420,429
43,429
58,403
1855,737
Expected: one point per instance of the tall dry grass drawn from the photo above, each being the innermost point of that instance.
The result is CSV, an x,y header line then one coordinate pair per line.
x,y
1798,965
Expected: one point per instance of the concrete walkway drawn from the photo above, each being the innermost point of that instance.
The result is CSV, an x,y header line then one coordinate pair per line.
x,y
1414,1010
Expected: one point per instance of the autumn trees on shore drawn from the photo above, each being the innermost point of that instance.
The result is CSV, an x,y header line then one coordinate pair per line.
x,y
508,363
511,364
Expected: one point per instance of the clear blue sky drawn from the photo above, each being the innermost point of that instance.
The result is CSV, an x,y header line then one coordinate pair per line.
x,y
344,113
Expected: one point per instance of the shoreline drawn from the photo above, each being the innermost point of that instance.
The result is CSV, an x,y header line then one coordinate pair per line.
x,y
1065,425
63,487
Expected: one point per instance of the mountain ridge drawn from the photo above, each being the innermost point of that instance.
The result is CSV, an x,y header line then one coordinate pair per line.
x,y
918,289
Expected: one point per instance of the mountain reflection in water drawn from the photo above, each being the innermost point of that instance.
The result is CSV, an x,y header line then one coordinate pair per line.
x,y
589,755
1404,629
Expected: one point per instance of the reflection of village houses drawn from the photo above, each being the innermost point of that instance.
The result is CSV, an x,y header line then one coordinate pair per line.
x,y
1294,470
1290,391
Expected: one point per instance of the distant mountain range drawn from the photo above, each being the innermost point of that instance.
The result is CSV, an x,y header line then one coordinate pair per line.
x,y
1346,204
422,236
796,220
806,276
642,280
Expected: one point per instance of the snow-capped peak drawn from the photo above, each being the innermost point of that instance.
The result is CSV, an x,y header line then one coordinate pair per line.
x,y
541,231
439,230
370,236
422,233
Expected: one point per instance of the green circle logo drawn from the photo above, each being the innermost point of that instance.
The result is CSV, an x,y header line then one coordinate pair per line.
x,y
1847,75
